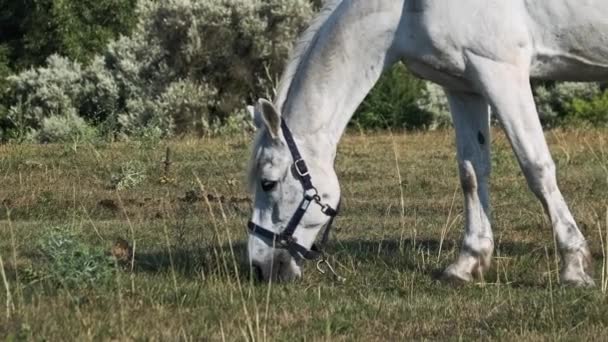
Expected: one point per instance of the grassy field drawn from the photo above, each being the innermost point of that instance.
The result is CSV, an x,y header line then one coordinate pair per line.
x,y
64,206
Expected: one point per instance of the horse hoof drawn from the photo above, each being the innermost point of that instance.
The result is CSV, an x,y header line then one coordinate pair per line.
x,y
577,279
454,276
576,268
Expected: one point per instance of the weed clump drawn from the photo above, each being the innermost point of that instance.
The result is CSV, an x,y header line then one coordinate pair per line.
x,y
129,176
71,263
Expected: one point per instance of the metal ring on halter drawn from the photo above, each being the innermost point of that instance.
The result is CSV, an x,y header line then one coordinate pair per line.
x,y
313,194
324,260
324,208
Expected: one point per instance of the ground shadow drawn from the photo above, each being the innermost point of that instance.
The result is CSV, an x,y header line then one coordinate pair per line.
x,y
395,254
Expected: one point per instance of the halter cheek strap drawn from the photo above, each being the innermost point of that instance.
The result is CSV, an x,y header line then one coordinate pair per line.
x,y
285,239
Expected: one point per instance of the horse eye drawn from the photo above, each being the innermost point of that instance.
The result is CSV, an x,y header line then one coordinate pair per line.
x,y
268,185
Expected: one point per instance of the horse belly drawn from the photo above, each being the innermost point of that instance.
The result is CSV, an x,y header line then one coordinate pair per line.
x,y
570,39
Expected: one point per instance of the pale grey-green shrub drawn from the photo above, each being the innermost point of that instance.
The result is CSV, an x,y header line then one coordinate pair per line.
x,y
188,65
99,96
43,92
553,102
188,104
64,128
191,65
236,47
434,101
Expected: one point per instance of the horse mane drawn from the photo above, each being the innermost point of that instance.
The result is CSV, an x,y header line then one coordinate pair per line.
x,y
300,52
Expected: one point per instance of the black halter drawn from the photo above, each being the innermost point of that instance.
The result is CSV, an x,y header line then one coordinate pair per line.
x,y
285,238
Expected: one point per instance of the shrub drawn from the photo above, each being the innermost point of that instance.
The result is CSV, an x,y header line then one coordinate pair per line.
x,y
594,111
188,65
130,175
229,46
68,128
182,107
99,97
5,69
35,29
434,102
400,100
43,92
69,262
554,100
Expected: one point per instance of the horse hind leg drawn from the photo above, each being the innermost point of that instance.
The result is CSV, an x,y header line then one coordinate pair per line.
x,y
507,88
471,119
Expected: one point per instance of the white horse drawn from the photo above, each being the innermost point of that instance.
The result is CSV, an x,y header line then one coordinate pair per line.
x,y
482,52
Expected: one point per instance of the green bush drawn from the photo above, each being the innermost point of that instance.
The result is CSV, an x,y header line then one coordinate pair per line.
x,y
70,263
399,100
5,69
191,66
594,111
43,92
434,102
33,30
236,48
554,100
188,65
67,128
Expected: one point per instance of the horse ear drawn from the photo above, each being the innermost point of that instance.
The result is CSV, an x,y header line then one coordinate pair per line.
x,y
256,117
270,117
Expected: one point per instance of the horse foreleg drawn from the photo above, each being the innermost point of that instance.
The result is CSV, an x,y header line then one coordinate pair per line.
x,y
507,88
471,119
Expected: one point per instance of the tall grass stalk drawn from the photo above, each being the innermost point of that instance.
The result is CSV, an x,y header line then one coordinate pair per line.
x,y
604,246
401,196
14,252
214,222
133,240
551,300
449,222
170,253
10,306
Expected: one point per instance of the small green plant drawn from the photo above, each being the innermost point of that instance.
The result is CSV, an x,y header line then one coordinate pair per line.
x,y
130,175
70,262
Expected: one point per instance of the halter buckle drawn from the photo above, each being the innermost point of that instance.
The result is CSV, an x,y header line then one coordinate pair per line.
x,y
285,241
301,168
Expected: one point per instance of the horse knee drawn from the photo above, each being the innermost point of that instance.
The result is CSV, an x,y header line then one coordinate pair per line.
x,y
468,177
471,175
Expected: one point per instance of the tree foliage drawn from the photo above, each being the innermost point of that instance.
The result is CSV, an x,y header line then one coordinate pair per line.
x,y
32,30
187,65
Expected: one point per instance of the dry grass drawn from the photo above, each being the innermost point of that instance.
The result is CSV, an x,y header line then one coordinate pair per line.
x,y
400,225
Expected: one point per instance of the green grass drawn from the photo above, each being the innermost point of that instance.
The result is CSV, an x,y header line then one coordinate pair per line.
x,y
186,284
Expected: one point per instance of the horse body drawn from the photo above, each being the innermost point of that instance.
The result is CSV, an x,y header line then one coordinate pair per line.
x,y
483,53
563,40
571,39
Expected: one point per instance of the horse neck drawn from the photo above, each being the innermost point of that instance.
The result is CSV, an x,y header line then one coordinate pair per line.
x,y
343,62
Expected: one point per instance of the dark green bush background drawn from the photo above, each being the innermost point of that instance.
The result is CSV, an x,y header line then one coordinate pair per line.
x,y
33,30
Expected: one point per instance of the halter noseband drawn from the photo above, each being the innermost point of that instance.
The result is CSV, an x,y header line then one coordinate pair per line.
x,y
285,238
